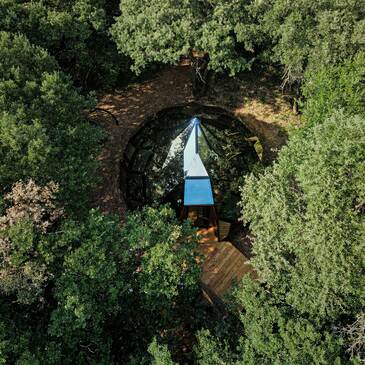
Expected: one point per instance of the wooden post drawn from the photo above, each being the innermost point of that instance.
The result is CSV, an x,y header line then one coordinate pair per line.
x,y
214,219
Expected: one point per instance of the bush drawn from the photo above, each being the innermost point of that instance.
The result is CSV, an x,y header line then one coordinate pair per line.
x,y
306,215
44,134
333,87
91,291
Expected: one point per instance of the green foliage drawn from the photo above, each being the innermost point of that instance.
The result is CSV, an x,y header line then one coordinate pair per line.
x,y
298,35
3,344
164,31
306,213
341,86
109,283
74,32
275,334
210,351
153,32
307,33
97,299
44,134
90,289
160,354
271,335
309,230
79,287
221,33
168,268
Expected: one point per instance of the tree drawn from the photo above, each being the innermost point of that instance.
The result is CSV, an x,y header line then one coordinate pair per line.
x,y
307,218
166,255
44,133
87,292
31,213
160,354
164,31
271,335
306,213
91,291
309,228
330,87
307,33
235,33
74,32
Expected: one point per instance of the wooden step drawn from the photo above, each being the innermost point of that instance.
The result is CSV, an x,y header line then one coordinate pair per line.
x,y
224,228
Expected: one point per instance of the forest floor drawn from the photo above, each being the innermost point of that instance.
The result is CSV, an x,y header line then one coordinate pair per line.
x,y
256,99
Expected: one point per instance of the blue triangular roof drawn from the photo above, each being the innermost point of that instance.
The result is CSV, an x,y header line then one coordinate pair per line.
x,y
192,145
197,187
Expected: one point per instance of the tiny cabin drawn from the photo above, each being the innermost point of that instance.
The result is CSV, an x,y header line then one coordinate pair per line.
x,y
198,200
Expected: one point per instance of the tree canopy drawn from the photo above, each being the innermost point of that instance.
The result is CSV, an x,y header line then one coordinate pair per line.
x,y
308,33
164,31
314,223
73,32
81,286
44,131
236,33
332,87
306,214
95,285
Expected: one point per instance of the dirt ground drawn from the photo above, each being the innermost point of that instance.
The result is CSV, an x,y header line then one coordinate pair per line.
x,y
257,101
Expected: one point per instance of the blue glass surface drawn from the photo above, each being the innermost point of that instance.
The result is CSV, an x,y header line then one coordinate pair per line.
x,y
192,145
198,192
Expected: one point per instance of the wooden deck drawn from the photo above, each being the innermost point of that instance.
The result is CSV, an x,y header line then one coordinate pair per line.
x,y
223,264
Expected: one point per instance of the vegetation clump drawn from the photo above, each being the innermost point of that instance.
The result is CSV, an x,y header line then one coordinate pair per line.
x,y
306,214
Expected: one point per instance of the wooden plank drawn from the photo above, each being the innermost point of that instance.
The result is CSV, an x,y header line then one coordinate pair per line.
x,y
223,264
224,228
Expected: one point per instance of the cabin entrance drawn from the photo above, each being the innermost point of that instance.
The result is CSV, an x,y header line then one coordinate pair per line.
x,y
201,217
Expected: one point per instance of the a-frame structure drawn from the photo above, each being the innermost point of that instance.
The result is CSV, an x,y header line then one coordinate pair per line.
x,y
198,193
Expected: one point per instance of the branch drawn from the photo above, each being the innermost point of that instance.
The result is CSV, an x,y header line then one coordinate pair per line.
x,y
108,112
